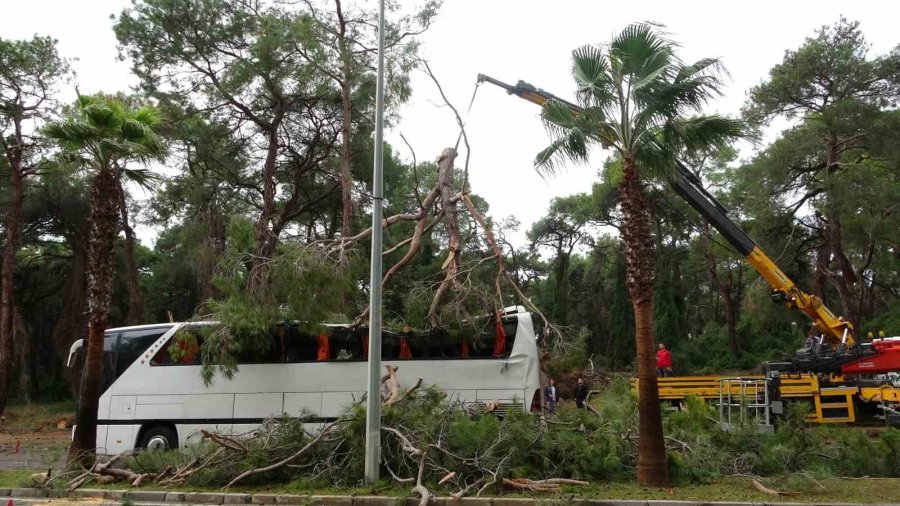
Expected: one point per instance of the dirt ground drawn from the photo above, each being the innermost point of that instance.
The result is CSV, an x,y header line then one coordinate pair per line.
x,y
87,501
33,449
34,436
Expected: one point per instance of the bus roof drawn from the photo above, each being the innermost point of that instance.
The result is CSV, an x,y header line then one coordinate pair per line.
x,y
142,327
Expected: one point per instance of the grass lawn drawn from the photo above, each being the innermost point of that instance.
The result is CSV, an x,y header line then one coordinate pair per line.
x,y
729,489
741,489
37,416
17,478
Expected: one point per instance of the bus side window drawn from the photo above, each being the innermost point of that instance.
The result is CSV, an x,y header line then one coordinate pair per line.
x,y
183,348
300,347
345,345
133,344
509,328
484,341
390,346
434,347
425,345
109,360
451,345
266,349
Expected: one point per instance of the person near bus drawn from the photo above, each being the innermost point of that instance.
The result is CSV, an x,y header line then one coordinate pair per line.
x,y
810,341
663,361
581,392
551,395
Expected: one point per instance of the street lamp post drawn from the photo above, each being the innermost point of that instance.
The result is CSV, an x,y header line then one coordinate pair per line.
x,y
373,399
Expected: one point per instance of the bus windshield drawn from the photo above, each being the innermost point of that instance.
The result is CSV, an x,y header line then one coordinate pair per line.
x,y
121,347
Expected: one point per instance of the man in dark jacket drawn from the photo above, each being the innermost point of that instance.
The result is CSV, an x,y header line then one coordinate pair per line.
x,y
581,392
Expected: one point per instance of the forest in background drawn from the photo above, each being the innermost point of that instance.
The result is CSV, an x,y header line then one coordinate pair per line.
x,y
266,119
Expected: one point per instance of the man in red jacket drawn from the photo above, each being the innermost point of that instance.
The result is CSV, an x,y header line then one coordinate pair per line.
x,y
663,362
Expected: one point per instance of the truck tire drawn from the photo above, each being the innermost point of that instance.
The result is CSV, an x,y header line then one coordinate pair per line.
x,y
159,438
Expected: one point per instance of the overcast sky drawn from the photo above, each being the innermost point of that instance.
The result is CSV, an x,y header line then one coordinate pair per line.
x,y
509,40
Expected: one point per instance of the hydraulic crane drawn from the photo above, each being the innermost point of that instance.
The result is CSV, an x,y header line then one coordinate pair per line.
x,y
840,352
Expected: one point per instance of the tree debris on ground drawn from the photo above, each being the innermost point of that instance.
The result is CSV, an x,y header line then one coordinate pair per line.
x,y
436,445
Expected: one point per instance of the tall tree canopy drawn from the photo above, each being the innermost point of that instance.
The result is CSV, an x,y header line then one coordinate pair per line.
x,y
29,71
841,96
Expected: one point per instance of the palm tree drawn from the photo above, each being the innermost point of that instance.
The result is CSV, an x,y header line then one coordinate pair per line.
x,y
101,135
635,93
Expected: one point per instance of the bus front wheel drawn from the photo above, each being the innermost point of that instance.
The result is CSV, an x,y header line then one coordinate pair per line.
x,y
159,438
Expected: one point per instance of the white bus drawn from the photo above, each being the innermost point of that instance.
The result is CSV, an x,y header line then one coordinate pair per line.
x,y
155,399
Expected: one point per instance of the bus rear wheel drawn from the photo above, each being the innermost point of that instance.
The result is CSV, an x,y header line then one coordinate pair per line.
x,y
157,439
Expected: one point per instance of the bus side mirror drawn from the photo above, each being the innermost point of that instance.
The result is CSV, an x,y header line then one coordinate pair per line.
x,y
74,352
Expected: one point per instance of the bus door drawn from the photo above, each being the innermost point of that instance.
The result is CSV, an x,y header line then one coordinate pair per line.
x,y
125,348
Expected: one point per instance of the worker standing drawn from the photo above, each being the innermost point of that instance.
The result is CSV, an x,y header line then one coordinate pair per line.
x,y
581,393
663,362
551,396
810,341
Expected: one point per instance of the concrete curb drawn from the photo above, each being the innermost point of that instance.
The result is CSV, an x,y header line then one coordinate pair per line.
x,y
35,496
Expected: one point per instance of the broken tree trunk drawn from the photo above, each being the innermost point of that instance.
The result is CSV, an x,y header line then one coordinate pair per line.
x,y
451,216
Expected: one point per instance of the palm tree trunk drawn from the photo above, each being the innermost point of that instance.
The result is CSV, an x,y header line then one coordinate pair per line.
x,y
102,230
135,300
653,467
12,224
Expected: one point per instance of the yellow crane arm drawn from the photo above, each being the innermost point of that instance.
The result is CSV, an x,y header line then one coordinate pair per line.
x,y
834,330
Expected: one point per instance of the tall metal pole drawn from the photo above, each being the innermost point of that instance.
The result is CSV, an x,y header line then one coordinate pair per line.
x,y
373,399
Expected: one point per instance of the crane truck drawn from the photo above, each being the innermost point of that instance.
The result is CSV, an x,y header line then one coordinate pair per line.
x,y
836,374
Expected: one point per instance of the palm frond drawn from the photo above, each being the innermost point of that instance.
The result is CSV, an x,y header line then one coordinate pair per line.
x,y
634,94
635,45
86,100
653,157
147,150
65,162
145,178
657,66
671,99
570,147
705,66
702,132
607,133
70,133
590,68
557,114
102,131
148,116
100,115
134,130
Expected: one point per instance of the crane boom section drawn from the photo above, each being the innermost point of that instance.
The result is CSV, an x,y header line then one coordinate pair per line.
x,y
688,186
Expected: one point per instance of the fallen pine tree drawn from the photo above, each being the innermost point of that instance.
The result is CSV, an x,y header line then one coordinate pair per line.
x,y
440,446
427,443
